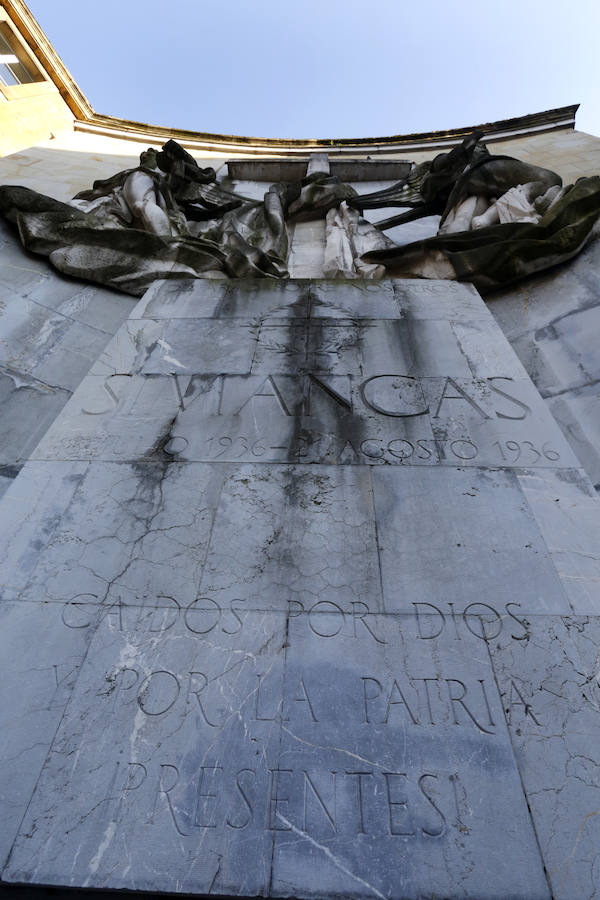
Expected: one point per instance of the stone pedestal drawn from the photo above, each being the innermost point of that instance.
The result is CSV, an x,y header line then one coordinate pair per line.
x,y
299,598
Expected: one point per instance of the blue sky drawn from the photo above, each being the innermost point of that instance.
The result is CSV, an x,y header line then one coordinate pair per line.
x,y
329,68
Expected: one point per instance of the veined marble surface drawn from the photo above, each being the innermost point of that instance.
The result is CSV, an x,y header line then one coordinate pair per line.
x,y
51,331
301,599
553,322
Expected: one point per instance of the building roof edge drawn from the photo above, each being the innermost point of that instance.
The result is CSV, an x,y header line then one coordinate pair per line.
x,y
87,119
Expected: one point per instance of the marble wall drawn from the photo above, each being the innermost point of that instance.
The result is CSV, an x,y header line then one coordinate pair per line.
x,y
276,623
549,319
52,329
553,322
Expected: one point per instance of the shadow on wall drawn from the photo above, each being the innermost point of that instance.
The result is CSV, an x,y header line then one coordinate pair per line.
x,y
24,892
52,329
61,171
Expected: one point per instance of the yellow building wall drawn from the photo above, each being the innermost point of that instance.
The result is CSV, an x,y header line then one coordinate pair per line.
x,y
31,119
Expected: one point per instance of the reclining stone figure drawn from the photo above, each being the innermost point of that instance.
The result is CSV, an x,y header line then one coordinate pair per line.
x,y
501,219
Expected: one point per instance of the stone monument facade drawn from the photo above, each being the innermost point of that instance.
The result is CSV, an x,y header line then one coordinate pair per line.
x,y
294,564
300,555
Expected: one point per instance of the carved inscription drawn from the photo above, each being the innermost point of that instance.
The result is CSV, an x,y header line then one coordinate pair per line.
x,y
347,801
394,396
479,619
421,700
202,616
390,419
393,419
371,450
324,618
518,705
384,701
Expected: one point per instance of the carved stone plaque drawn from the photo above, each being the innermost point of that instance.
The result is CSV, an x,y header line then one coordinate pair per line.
x,y
299,596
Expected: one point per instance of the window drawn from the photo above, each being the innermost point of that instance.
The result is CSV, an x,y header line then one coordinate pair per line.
x,y
14,69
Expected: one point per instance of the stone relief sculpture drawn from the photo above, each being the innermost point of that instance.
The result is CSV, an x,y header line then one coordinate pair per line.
x,y
347,238
501,219
167,218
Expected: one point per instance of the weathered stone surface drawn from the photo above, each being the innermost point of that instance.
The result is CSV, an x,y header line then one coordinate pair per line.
x,y
47,345
111,533
277,622
51,331
551,696
180,347
473,547
565,507
369,419
313,298
170,715
28,407
40,663
552,323
29,515
313,539
384,771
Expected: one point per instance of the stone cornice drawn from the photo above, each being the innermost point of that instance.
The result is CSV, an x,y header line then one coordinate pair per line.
x,y
550,120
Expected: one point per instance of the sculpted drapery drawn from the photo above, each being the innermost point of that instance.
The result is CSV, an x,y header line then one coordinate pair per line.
x,y
501,219
167,218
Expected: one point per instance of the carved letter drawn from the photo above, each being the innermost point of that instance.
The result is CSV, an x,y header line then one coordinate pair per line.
x,y
487,703
123,680
526,409
197,693
273,394
108,390
429,637
426,683
275,800
234,612
303,699
359,790
362,618
460,395
166,791
314,610
485,635
256,715
522,622
438,811
368,698
308,784
345,403
403,390
135,776
73,620
207,796
152,702
291,608
527,708
192,615
244,798
460,701
402,804
162,613
400,702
